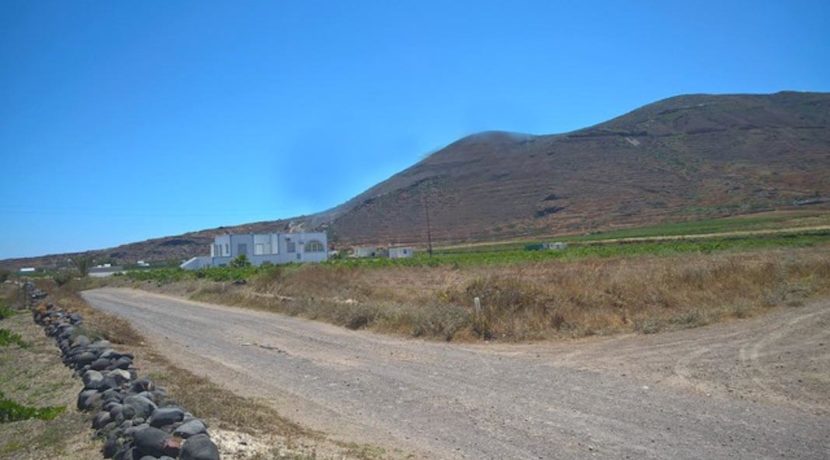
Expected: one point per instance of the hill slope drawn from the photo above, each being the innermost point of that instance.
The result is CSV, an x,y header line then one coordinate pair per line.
x,y
680,158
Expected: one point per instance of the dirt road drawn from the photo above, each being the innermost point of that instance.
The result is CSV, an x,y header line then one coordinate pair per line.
x,y
757,388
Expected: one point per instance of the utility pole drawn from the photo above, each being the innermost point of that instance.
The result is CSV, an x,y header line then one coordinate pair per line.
x,y
425,200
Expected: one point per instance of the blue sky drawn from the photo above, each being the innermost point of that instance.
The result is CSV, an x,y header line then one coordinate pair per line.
x,y
121,121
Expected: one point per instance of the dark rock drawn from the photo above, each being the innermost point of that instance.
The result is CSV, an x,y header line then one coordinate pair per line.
x,y
100,364
190,428
92,376
121,376
122,363
101,419
109,405
87,399
126,453
81,341
112,395
110,447
147,394
172,447
84,358
97,385
101,345
128,412
131,430
199,447
109,353
115,410
109,383
166,416
143,406
150,441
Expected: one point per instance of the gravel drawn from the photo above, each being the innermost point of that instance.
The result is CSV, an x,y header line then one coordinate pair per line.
x,y
711,392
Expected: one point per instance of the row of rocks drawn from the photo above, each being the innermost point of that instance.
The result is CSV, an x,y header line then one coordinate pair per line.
x,y
135,418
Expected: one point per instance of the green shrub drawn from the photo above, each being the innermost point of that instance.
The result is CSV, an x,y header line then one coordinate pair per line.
x,y
6,312
11,411
241,261
62,277
162,275
83,264
10,338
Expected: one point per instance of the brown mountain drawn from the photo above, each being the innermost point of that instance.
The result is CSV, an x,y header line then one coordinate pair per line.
x,y
681,158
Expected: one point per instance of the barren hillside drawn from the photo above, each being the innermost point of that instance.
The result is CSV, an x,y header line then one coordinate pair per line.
x,y
681,158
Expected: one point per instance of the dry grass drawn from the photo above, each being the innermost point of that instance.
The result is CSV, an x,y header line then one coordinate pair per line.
x,y
35,376
529,301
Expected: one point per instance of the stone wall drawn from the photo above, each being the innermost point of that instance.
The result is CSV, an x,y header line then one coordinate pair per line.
x,y
132,415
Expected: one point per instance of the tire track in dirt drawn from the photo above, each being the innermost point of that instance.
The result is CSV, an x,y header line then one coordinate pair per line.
x,y
685,394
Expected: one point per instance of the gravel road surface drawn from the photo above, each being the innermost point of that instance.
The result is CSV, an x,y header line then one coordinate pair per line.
x,y
757,388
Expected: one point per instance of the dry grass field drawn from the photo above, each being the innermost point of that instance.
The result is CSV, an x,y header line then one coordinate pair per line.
x,y
532,300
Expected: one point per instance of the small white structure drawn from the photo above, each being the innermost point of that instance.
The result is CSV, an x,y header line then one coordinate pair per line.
x,y
557,245
365,251
105,270
401,252
142,263
27,270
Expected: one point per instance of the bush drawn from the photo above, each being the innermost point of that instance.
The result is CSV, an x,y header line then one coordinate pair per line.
x,y
62,277
83,264
11,411
240,262
4,275
502,293
439,321
268,275
161,275
10,338
6,312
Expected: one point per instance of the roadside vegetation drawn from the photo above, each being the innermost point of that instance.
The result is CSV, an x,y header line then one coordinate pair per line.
x,y
590,288
11,411
8,337
38,419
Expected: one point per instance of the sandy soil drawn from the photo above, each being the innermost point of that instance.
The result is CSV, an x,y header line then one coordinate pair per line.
x,y
757,388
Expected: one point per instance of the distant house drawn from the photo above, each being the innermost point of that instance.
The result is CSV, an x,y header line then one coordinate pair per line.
x,y
401,252
105,270
27,270
276,248
365,251
557,245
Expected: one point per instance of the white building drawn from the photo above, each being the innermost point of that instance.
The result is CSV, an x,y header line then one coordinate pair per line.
x,y
401,252
367,251
276,248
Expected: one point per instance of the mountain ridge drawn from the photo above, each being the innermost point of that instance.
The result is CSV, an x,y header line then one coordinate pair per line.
x,y
680,158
